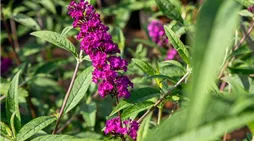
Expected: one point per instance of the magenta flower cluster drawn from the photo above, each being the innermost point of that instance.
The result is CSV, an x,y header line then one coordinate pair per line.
x,y
114,126
251,8
98,44
171,53
157,33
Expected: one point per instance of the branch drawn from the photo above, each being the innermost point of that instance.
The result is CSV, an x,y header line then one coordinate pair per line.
x,y
163,97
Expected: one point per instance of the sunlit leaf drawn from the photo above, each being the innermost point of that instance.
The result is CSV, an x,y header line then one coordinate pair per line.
x,y
79,89
170,10
56,39
34,126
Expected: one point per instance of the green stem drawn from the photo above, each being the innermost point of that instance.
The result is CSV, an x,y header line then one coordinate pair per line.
x,y
162,98
79,60
159,115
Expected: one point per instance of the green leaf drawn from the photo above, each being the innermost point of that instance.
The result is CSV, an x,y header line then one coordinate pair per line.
x,y
212,38
218,108
49,5
121,105
143,94
162,77
66,30
216,129
56,39
79,89
177,44
245,3
135,109
236,85
12,105
169,10
245,13
5,85
54,138
12,122
26,21
137,95
215,123
88,112
85,139
172,63
251,127
5,130
34,126
144,128
50,66
118,37
2,138
144,66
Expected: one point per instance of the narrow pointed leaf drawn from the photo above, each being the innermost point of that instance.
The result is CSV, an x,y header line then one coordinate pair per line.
x,y
144,128
26,21
170,10
12,105
53,138
34,126
56,39
5,130
49,5
135,109
79,89
177,44
137,96
66,30
144,66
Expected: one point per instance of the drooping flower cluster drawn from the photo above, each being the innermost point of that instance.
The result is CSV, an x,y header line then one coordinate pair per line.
x,y
129,127
251,8
98,44
5,64
157,33
171,53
